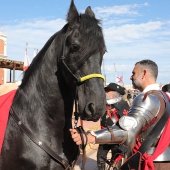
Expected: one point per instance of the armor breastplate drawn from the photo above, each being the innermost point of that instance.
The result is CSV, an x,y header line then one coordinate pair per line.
x,y
141,112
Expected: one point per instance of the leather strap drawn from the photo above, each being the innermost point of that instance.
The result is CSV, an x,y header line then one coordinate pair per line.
x,y
38,142
111,132
150,139
82,132
83,145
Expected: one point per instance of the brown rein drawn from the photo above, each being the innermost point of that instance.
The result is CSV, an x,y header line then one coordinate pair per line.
x,y
37,141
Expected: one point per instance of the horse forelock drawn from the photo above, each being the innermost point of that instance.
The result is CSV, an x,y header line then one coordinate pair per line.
x,y
92,30
92,40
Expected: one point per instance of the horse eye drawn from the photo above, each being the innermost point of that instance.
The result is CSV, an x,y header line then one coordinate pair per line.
x,y
74,47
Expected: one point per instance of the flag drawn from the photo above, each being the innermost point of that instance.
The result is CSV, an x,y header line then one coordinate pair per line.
x,y
26,61
35,52
119,79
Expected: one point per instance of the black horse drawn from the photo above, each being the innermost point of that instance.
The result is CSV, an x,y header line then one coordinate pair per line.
x,y
67,68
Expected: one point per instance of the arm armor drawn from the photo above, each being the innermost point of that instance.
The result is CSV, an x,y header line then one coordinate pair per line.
x,y
141,112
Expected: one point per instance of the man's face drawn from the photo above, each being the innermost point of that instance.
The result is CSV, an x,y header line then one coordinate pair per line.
x,y
111,95
136,77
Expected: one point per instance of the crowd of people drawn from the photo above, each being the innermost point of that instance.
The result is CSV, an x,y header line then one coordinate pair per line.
x,y
142,134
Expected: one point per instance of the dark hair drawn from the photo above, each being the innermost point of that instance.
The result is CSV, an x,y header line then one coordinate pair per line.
x,y
151,65
166,88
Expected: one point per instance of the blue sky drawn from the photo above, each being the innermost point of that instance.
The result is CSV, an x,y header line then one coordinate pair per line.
x,y
133,30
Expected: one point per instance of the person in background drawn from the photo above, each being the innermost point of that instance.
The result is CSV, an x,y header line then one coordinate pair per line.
x,y
125,97
116,107
144,113
166,88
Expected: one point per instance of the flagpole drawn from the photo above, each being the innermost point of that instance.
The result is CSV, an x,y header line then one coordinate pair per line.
x,y
115,70
26,59
122,79
34,53
26,45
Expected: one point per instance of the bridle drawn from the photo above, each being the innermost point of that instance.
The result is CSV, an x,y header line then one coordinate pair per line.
x,y
39,142
79,81
84,78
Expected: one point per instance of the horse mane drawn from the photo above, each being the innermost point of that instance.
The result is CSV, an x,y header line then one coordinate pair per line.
x,y
37,61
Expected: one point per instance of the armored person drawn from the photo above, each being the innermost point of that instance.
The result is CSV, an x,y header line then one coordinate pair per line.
x,y
145,112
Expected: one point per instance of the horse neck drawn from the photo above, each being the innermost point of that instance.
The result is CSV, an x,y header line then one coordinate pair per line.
x,y
45,94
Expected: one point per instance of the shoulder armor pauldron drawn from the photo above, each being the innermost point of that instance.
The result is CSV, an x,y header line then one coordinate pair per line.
x,y
146,107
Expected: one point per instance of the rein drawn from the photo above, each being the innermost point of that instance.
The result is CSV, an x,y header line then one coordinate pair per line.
x,y
39,142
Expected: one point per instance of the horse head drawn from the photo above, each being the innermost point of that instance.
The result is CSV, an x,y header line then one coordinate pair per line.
x,y
83,52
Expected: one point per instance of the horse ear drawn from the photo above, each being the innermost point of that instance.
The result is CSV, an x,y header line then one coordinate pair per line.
x,y
89,12
73,14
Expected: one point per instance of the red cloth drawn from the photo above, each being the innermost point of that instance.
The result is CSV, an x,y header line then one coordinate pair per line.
x,y
161,147
114,113
5,104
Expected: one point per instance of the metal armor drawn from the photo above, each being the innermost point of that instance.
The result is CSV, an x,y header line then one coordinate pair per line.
x,y
141,113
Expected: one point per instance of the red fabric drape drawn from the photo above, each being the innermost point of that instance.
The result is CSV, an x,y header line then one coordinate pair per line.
x,y
161,147
5,104
163,143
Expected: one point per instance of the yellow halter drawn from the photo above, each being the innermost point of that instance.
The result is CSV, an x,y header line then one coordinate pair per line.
x,y
82,79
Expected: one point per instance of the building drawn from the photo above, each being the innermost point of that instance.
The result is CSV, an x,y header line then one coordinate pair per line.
x,y
5,63
3,43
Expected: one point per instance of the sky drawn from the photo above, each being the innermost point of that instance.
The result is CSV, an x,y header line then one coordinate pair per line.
x,y
133,30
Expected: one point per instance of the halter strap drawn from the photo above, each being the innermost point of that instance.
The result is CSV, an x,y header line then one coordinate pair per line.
x,y
82,79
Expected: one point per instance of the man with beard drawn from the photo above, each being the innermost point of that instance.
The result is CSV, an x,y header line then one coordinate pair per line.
x,y
116,107
146,111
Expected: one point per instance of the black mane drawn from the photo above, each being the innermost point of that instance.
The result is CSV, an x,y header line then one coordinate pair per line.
x,y
39,58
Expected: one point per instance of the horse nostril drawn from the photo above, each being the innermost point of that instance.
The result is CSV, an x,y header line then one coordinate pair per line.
x,y
91,108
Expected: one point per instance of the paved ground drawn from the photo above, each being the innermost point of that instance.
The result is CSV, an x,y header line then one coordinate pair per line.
x,y
91,163
91,150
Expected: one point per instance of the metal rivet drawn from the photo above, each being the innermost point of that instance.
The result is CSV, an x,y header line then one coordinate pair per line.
x,y
40,143
19,123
